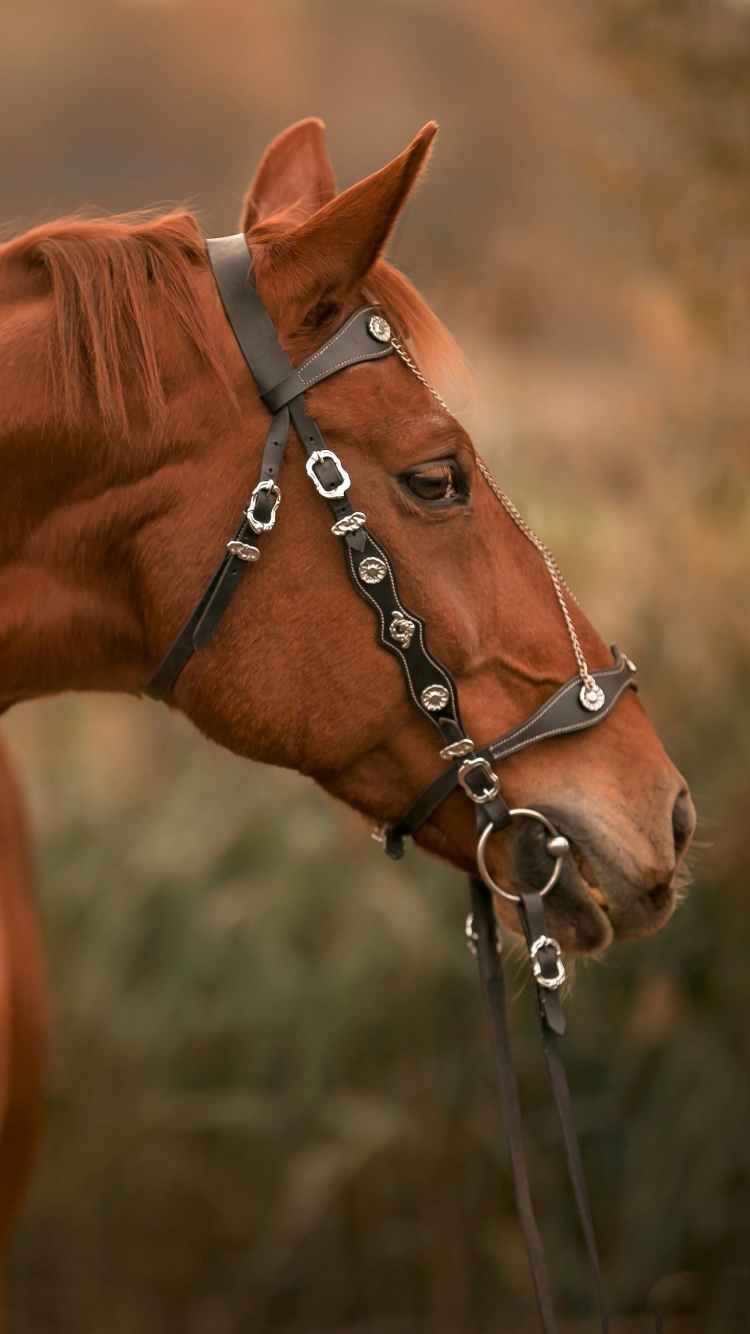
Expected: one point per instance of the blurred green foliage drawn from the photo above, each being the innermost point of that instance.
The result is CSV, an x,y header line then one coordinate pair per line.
x,y
271,1100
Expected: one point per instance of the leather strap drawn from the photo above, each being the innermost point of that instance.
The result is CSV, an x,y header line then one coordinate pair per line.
x,y
548,1008
490,964
401,631
273,373
552,1024
251,323
561,714
352,344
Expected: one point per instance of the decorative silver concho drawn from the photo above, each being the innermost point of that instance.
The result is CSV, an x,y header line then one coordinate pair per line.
x,y
434,698
349,524
591,697
379,328
401,629
243,550
372,570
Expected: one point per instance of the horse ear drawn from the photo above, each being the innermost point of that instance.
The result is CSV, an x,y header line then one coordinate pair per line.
x,y
327,256
295,173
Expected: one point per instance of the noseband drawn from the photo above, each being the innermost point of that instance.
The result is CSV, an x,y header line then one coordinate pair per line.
x,y
582,702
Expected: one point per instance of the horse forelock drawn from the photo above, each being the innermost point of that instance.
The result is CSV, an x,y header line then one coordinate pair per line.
x,y
108,276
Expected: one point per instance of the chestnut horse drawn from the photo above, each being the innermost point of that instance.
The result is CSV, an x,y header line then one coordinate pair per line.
x,y
131,434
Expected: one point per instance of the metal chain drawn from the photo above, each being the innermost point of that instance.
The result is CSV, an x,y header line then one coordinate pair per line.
x,y
558,582
413,367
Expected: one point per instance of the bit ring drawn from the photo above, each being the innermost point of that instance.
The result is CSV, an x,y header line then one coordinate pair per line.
x,y
482,865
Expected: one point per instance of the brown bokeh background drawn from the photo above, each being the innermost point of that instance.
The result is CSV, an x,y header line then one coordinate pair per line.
x,y
271,1106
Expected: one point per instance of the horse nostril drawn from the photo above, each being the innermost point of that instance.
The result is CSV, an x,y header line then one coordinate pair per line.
x,y
683,823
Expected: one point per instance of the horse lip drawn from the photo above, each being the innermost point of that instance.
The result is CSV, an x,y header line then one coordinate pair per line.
x,y
589,878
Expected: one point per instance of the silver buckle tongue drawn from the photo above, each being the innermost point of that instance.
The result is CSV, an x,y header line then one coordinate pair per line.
x,y
549,983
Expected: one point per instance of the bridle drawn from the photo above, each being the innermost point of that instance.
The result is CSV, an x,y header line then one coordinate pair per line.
x,y
582,702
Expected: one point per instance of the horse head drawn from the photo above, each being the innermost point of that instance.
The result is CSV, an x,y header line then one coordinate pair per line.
x,y
132,431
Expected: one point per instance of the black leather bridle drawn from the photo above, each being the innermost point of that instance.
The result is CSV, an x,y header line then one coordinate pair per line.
x,y
366,336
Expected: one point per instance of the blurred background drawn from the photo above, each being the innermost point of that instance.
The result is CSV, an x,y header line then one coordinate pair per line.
x,y
271,1105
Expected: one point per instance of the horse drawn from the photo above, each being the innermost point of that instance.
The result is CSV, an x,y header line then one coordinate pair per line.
x,y
23,1018
130,428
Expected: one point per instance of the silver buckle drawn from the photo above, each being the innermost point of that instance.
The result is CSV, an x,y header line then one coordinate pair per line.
x,y
263,487
472,937
336,492
493,781
349,524
549,983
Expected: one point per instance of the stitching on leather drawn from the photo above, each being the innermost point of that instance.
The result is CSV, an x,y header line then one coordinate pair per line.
x,y
351,361
559,695
406,824
362,312
504,752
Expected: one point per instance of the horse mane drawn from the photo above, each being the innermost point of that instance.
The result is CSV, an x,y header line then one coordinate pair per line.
x,y
105,274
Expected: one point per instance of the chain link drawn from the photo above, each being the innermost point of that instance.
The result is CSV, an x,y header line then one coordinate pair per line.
x,y
413,367
558,582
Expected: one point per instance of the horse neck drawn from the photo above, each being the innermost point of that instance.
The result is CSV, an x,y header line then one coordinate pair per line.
x,y
67,618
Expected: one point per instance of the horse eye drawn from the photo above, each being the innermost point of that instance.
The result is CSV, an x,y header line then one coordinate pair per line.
x,y
437,482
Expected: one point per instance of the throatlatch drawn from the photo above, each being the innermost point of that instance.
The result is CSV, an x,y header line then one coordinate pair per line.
x,y
582,702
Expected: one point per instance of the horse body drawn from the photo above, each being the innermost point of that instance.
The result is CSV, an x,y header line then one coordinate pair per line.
x,y
22,1006
130,432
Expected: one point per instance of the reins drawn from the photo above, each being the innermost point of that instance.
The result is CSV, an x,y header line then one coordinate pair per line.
x,y
582,702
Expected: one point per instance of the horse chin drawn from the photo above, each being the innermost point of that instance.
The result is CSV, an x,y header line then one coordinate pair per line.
x,y
576,920
586,909
594,900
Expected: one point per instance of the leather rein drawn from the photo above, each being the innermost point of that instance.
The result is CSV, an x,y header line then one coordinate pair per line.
x,y
582,702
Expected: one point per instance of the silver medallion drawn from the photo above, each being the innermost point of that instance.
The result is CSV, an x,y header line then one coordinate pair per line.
x,y
401,629
591,696
379,328
372,570
630,665
434,698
